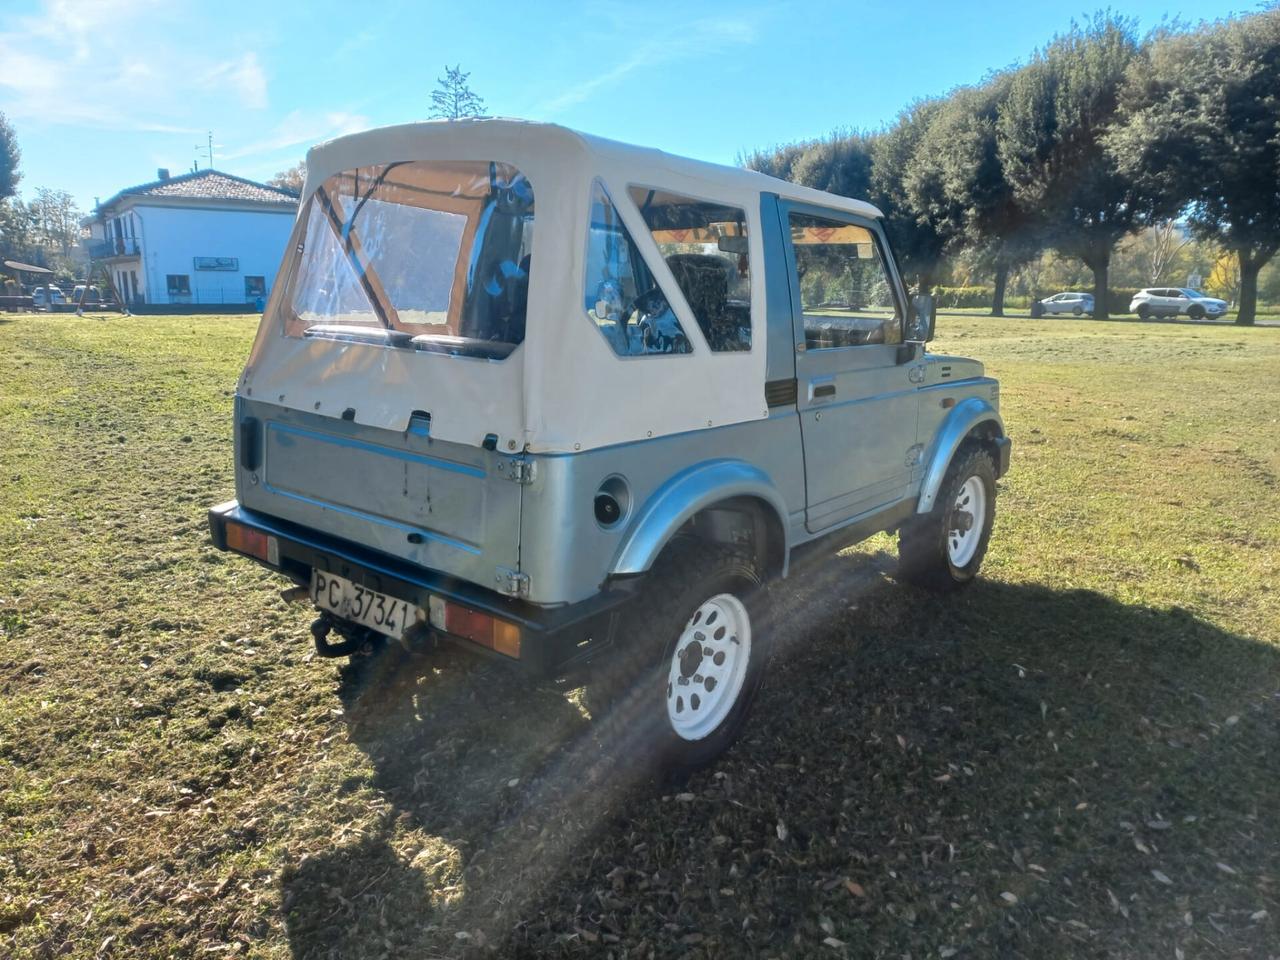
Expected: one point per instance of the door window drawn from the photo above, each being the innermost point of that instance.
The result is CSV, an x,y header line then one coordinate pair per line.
x,y
705,246
846,292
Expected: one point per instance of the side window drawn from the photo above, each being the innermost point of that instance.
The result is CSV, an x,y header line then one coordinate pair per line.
x,y
705,246
846,293
621,297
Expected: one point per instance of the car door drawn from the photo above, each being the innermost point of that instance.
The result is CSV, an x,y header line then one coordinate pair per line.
x,y
857,402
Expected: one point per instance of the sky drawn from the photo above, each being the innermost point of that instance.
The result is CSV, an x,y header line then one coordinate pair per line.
x,y
101,93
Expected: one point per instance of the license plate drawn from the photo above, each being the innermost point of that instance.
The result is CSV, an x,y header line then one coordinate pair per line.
x,y
351,601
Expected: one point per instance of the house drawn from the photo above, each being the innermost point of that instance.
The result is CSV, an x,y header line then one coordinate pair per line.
x,y
203,238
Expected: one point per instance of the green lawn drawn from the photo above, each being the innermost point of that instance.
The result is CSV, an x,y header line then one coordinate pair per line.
x,y
1078,756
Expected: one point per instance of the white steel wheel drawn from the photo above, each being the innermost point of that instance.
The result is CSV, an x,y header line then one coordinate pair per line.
x,y
968,518
709,667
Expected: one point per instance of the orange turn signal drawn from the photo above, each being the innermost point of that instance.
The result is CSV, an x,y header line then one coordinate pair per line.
x,y
253,543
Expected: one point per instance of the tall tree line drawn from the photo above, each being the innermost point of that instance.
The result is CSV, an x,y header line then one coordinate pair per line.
x,y
1102,133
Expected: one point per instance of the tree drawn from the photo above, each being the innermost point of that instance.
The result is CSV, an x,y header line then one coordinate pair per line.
x,y
958,177
56,223
1051,141
291,179
453,98
918,231
9,157
1202,124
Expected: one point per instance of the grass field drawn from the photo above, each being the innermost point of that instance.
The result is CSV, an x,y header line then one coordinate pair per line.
x,y
1078,756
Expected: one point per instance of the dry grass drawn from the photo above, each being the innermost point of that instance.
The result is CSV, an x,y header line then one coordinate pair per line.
x,y
1077,756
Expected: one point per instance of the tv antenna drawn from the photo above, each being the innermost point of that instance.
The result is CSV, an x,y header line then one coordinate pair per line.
x,y
206,150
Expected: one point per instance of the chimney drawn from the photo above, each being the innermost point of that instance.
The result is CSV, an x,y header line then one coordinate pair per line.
x,y
162,173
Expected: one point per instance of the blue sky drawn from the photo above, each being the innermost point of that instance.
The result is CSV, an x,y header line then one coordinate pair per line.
x,y
102,92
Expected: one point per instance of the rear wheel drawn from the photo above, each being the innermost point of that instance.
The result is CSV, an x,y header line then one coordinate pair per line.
x,y
943,549
690,659
1078,311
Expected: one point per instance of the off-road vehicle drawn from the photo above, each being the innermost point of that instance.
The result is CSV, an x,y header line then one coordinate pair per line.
x,y
570,402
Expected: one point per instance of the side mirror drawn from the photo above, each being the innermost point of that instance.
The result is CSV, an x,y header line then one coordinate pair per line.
x,y
921,317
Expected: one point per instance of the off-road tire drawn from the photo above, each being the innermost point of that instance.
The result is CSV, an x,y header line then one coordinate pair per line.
x,y
923,555
628,692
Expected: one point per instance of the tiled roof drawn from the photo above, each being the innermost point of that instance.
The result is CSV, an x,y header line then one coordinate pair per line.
x,y
208,185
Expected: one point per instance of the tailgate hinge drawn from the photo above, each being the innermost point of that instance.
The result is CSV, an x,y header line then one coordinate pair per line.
x,y
520,471
512,583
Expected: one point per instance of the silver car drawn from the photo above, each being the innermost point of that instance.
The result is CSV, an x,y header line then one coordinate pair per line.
x,y
1075,303
1176,301
600,443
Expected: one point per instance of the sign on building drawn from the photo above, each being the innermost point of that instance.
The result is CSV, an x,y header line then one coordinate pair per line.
x,y
231,264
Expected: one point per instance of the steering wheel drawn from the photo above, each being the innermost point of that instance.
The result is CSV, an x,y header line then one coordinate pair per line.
x,y
651,303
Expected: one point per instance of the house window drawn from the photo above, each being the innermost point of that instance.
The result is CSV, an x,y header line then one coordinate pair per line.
x,y
179,284
255,287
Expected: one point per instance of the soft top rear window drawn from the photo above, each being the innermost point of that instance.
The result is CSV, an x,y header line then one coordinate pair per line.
x,y
419,255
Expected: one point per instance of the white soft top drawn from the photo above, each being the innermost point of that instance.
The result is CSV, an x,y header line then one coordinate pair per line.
x,y
563,389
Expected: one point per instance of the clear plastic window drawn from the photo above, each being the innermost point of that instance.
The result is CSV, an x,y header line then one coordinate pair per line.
x,y
705,246
621,297
420,255
846,292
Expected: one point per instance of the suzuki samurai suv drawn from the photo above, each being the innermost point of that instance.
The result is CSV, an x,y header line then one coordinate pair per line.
x,y
567,402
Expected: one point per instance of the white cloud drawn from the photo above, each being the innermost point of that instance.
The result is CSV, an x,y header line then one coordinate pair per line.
x,y
245,76
301,127
119,64
666,43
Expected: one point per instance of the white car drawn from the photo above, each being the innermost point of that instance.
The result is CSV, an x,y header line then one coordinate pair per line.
x,y
1075,303
44,297
1174,302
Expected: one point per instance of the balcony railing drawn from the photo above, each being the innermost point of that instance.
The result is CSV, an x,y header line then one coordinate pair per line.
x,y
115,247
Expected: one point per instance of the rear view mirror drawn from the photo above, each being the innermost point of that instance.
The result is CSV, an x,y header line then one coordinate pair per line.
x,y
732,244
921,317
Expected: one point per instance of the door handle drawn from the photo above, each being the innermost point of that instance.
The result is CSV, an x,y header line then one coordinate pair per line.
x,y
822,390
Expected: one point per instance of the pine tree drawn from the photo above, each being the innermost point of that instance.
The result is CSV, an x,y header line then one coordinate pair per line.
x,y
453,98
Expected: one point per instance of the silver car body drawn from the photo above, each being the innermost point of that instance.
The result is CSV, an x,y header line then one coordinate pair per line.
x,y
1074,303
487,470
1177,301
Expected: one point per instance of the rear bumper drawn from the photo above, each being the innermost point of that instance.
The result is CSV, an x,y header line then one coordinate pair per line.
x,y
554,639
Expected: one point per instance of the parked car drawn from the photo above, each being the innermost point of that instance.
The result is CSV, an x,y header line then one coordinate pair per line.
x,y
1176,301
1077,304
44,297
594,445
91,298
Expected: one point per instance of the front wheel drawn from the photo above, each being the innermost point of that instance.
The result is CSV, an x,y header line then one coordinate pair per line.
x,y
1195,312
690,659
1144,312
943,549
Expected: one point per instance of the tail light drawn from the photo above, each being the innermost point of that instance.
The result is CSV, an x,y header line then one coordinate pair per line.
x,y
453,618
253,543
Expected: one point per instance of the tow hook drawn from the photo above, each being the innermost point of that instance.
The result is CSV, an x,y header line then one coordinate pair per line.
x,y
295,594
321,629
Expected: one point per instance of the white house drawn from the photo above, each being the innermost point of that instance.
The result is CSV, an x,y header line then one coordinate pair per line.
x,y
200,238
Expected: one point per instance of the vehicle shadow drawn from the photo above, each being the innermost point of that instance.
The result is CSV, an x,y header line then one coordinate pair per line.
x,y
941,751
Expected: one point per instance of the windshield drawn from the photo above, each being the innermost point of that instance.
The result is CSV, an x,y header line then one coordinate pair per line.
x,y
417,255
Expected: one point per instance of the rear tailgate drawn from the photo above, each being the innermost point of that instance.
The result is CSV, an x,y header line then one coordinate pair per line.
x,y
446,506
